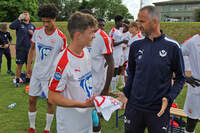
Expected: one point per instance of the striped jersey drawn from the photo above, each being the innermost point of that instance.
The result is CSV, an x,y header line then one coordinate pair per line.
x,y
191,48
116,35
47,49
102,45
72,76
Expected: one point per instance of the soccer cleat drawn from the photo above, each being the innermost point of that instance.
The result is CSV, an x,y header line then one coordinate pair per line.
x,y
31,130
11,72
47,131
17,82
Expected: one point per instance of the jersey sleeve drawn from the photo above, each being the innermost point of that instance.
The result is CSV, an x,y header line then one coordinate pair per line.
x,y
63,40
112,32
185,47
59,77
187,63
33,38
107,43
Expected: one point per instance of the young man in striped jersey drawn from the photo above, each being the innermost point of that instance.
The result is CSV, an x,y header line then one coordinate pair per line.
x,y
71,84
47,41
118,42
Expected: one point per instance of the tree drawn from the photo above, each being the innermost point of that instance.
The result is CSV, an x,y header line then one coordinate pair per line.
x,y
66,12
117,8
66,7
108,9
10,9
84,5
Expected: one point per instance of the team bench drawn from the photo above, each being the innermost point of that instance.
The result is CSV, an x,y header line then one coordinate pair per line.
x,y
174,112
181,114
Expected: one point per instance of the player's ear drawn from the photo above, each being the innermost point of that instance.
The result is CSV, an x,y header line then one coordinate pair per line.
x,y
77,35
155,21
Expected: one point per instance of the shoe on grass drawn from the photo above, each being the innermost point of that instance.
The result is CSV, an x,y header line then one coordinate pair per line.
x,y
11,72
47,131
31,130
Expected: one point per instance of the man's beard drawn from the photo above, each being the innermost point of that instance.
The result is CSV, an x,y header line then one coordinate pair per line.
x,y
146,34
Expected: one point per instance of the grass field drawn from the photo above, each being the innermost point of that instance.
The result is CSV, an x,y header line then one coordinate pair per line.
x,y
15,120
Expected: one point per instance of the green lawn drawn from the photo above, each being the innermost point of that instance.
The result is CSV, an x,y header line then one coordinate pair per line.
x,y
16,120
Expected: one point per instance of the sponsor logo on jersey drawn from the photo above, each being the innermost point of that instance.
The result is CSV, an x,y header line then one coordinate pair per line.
x,y
44,50
89,49
57,76
140,54
162,53
86,83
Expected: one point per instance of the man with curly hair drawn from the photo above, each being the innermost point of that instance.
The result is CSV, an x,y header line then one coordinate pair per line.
x,y
47,41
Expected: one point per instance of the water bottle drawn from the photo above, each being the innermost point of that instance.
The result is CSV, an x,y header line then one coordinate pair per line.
x,y
11,105
95,118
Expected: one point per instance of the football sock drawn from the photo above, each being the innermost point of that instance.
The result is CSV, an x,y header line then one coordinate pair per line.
x,y
49,119
32,116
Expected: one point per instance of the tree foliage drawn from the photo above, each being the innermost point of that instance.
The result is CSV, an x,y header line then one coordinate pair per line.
x,y
107,9
10,9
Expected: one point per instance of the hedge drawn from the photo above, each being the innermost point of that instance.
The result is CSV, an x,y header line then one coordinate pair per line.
x,y
180,31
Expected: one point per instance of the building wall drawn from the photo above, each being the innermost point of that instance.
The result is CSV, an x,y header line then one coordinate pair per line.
x,y
178,12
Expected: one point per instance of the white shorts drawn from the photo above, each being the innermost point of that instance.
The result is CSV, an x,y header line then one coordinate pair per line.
x,y
74,120
117,56
192,103
38,86
122,60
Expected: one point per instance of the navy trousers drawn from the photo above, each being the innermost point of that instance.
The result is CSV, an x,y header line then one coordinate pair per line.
x,y
6,52
136,121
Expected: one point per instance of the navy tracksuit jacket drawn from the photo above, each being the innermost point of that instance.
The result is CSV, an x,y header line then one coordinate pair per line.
x,y
151,66
23,41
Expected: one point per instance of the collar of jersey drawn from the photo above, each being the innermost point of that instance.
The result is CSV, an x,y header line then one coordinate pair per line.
x,y
79,56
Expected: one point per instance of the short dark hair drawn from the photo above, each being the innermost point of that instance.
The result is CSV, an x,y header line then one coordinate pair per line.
x,y
48,11
118,18
80,22
87,11
126,21
100,20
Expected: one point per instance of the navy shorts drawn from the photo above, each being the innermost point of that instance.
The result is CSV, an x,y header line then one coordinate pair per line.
x,y
21,56
136,121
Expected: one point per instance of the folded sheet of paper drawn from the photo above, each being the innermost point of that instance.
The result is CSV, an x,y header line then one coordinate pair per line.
x,y
106,105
